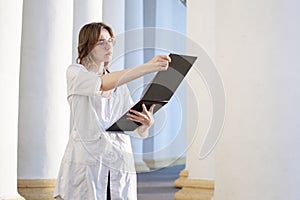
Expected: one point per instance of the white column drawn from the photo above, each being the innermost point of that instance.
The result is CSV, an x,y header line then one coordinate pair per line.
x,y
200,31
134,55
10,40
258,53
44,112
170,142
205,103
84,12
166,145
113,14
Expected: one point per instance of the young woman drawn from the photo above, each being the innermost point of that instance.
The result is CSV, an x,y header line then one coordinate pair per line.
x,y
99,165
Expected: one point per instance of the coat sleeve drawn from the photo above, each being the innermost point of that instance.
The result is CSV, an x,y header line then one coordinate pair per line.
x,y
82,82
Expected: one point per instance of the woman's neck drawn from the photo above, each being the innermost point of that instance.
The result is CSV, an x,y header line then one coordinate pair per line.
x,y
91,65
97,68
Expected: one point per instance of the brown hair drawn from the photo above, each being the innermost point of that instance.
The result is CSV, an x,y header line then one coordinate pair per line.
x,y
88,37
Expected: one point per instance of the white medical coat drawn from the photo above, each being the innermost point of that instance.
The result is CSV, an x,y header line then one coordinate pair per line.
x,y
92,152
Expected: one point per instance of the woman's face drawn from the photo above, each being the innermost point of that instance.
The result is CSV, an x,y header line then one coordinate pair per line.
x,y
103,50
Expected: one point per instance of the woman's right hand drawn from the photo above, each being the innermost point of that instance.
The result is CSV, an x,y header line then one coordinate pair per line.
x,y
160,62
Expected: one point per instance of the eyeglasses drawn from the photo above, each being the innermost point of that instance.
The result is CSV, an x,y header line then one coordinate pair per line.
x,y
102,42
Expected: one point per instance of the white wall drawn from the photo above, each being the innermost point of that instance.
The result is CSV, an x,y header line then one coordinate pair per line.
x,y
10,40
258,54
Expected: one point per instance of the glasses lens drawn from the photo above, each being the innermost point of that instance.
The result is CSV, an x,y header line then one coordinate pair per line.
x,y
103,43
112,41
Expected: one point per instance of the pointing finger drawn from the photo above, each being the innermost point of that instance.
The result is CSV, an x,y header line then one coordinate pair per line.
x,y
144,108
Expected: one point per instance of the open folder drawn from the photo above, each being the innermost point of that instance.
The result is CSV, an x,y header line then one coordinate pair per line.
x,y
159,91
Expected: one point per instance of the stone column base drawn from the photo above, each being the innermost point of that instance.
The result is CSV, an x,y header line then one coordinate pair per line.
x,y
141,167
161,163
193,189
36,189
182,177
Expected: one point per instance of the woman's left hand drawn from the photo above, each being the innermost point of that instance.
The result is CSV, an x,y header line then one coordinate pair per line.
x,y
145,117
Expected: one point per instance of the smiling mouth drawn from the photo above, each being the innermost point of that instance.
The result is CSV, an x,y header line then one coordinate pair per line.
x,y
109,54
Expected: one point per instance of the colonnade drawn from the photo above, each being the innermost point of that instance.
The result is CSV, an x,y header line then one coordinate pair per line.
x,y
253,46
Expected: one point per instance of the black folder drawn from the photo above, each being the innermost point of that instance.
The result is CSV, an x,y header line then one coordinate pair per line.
x,y
159,91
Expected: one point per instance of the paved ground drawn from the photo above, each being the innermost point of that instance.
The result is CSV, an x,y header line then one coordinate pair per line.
x,y
159,184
